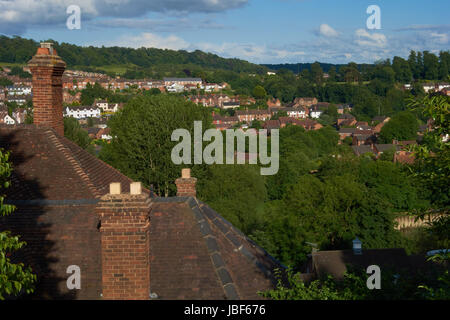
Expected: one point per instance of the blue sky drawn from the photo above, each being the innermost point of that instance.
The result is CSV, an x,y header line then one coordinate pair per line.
x,y
260,31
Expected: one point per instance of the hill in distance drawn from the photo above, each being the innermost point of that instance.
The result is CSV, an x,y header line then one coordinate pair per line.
x,y
134,62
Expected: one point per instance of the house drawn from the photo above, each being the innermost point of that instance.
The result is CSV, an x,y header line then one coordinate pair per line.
x,y
337,262
381,148
250,115
346,132
6,119
182,81
271,124
404,144
129,243
316,110
175,87
274,103
307,124
442,86
102,104
69,98
362,149
19,99
231,105
363,138
342,108
106,107
2,93
303,102
346,120
83,112
296,113
19,90
104,134
427,87
404,157
19,115
191,87
379,122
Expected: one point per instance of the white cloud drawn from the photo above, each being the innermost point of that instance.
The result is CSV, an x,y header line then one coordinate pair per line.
x,y
440,37
149,40
364,38
327,31
18,15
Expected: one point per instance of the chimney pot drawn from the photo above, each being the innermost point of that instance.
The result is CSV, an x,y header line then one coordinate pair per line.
x,y
186,173
115,188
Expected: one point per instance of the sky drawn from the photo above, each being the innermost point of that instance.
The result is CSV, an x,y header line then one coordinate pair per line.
x,y
259,31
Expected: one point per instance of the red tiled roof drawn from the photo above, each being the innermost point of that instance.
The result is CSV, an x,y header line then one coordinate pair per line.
x,y
56,185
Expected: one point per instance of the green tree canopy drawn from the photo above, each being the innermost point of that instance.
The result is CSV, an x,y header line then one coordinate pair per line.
x,y
15,278
141,146
402,126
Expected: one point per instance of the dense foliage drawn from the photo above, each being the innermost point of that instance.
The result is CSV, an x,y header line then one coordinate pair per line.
x,y
15,278
141,147
403,126
395,285
74,132
19,50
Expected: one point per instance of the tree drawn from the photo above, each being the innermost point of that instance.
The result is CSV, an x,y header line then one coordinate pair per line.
x,y
433,156
444,64
141,146
402,126
15,278
434,284
259,92
5,82
316,73
236,191
412,61
74,132
17,71
431,66
332,74
402,70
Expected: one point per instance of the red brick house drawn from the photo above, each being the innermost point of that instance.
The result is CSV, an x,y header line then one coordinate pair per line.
x,y
250,115
74,209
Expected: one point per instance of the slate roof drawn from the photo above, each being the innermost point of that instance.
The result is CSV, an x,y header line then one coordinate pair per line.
x,y
56,185
360,150
197,254
386,147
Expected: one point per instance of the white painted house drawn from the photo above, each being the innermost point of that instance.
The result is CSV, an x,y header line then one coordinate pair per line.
x,y
297,113
175,87
83,112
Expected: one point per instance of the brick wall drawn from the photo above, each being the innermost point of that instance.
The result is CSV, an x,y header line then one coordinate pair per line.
x,y
186,185
47,69
125,245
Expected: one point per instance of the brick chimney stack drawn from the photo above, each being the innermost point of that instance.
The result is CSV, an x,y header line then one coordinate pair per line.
x,y
47,69
186,184
125,243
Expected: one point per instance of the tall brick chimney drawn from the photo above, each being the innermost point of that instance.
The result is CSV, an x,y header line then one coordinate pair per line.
x,y
47,69
186,184
125,243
